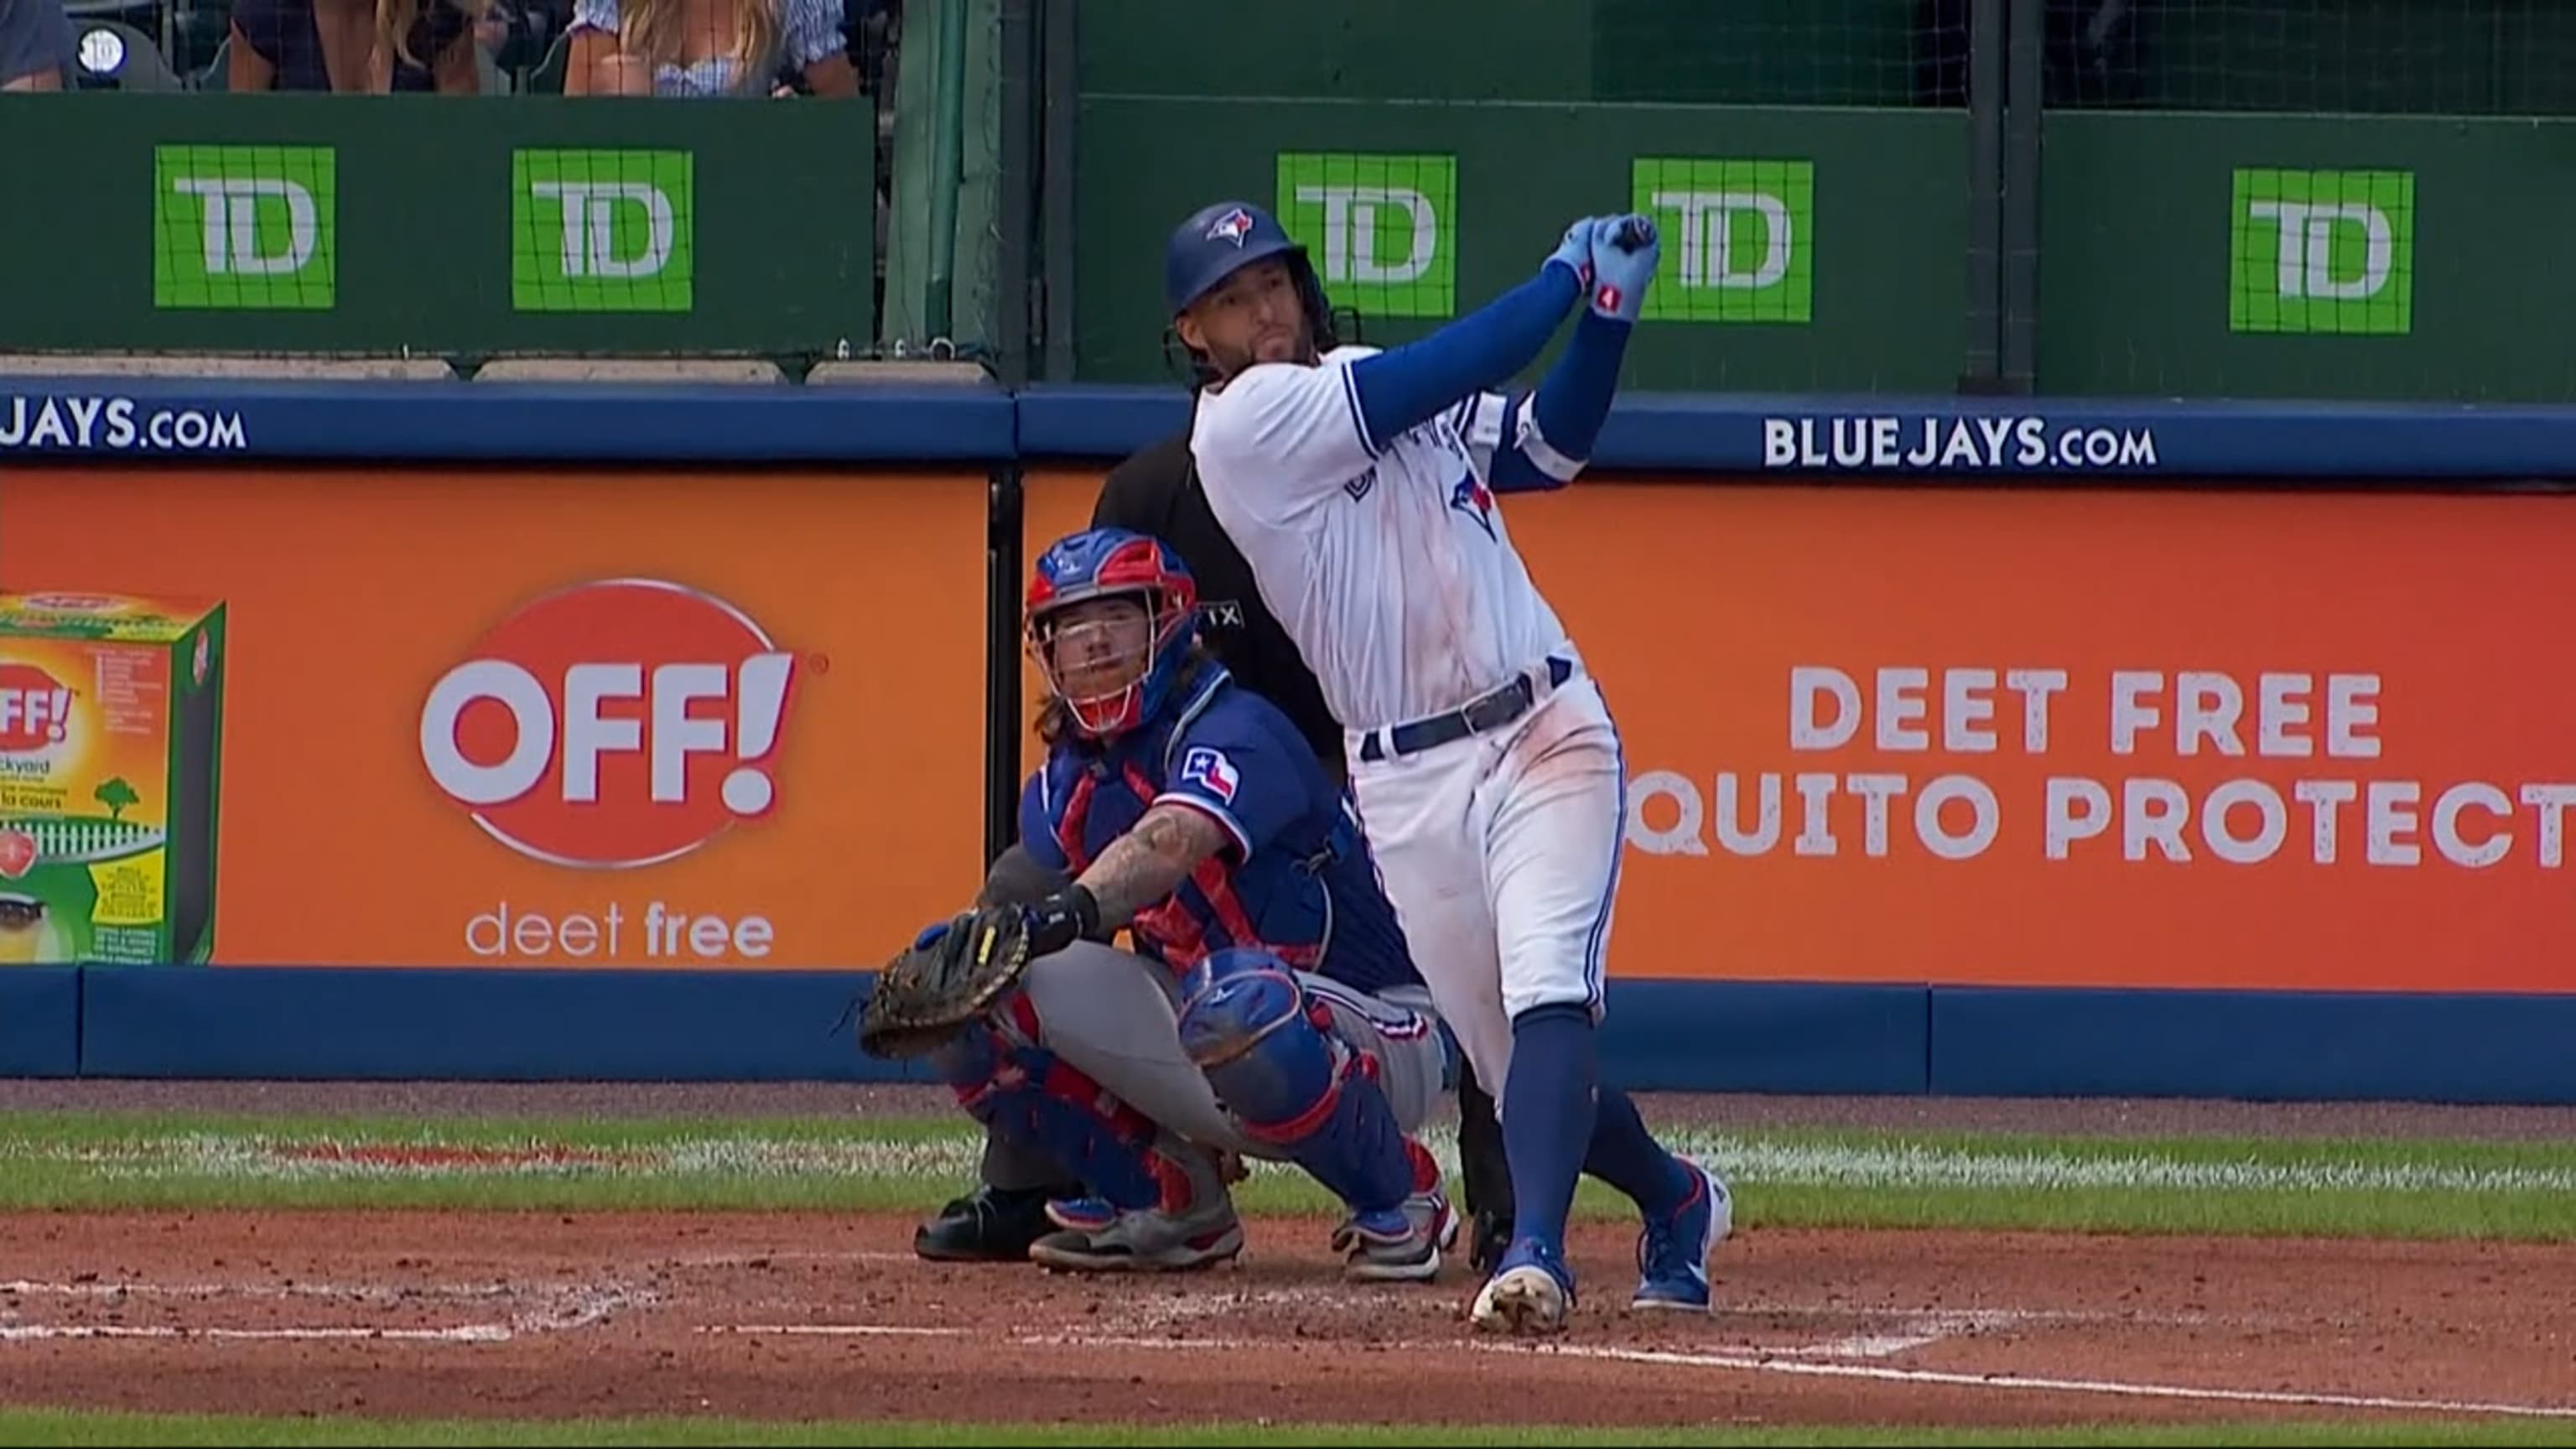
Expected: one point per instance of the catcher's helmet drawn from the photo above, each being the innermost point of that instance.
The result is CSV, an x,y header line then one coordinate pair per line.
x,y
1107,563
1219,240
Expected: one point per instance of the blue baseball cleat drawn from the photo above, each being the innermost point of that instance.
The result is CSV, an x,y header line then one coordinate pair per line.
x,y
1672,1255
1532,1291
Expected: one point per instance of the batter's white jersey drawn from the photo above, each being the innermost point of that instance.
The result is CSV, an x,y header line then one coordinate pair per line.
x,y
1385,559
1388,563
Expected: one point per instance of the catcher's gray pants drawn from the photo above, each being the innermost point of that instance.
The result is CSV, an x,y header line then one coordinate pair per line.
x,y
1112,1016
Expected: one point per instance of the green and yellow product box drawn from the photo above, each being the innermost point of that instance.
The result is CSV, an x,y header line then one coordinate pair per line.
x,y
111,738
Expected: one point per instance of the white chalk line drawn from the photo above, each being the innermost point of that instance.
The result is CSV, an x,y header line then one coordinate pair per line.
x,y
588,1305
463,1333
1756,1362
2121,1388
345,1292
558,1309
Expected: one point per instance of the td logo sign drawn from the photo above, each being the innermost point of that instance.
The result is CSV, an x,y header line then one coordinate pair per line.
x,y
2322,251
243,227
1739,238
601,231
1382,229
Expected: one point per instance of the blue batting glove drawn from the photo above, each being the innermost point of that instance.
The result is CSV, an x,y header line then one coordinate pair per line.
x,y
1576,251
930,934
1625,251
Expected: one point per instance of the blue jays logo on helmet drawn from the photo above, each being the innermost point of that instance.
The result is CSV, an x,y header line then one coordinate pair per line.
x,y
1216,242
1108,563
1234,226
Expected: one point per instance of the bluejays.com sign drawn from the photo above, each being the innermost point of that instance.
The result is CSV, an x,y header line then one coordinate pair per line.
x,y
1929,444
115,424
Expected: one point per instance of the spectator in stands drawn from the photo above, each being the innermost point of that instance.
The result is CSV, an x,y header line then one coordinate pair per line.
x,y
300,45
408,45
35,46
709,48
429,45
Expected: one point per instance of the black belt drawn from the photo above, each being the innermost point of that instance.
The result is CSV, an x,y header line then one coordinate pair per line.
x,y
1475,717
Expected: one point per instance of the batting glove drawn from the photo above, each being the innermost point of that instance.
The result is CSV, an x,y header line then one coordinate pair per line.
x,y
1625,250
1576,250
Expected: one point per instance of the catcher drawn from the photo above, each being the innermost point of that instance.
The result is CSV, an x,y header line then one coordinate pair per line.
x,y
1270,1008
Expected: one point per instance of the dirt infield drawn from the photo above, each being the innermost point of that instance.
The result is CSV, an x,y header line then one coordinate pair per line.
x,y
813,1316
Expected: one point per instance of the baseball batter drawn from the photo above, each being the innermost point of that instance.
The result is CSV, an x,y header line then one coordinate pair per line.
x,y
1360,485
1271,1009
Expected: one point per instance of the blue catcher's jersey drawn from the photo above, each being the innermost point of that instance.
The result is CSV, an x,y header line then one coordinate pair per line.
x,y
1297,881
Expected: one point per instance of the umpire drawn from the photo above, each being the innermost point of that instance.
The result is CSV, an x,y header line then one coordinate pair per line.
x,y
1156,492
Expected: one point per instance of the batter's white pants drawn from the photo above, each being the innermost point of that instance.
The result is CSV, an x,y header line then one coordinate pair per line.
x,y
1501,853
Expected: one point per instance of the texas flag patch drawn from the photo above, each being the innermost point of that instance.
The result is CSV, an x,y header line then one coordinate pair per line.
x,y
1211,771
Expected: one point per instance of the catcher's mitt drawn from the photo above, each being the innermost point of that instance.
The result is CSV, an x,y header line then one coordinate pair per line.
x,y
945,980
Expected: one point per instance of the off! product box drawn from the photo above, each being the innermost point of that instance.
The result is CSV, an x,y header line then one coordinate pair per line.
x,y
111,734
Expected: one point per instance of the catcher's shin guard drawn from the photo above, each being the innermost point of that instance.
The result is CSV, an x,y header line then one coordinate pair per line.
x,y
1006,1079
1272,1058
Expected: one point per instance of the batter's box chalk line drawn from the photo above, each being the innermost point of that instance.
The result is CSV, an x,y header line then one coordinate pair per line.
x,y
558,1308
2022,1382
1739,1362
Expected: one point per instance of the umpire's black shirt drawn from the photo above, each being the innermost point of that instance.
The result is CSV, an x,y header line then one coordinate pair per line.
x,y
1157,492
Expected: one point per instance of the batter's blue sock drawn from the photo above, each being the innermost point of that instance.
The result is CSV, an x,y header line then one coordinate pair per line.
x,y
1548,1115
1627,1156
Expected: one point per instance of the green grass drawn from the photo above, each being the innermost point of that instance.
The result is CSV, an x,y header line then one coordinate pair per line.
x,y
43,1427
1785,1178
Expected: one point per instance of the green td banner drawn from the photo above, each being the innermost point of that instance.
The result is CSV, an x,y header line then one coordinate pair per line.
x,y
2323,251
543,225
1803,249
243,226
1383,229
1738,238
601,231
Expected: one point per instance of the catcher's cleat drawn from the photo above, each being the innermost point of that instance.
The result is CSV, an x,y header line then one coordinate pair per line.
x,y
1401,1244
1103,1239
1193,1225
988,1225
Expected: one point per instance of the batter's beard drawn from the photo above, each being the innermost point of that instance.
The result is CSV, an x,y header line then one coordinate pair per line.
x,y
1228,366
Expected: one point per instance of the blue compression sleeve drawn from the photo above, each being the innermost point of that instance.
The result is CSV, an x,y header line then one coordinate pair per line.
x,y
1406,386
1569,408
1575,399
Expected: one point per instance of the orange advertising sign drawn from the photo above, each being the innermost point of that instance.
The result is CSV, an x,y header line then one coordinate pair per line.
x,y
615,719
2015,737
2203,739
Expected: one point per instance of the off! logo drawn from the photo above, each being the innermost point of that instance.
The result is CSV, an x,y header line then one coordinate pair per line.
x,y
35,709
621,723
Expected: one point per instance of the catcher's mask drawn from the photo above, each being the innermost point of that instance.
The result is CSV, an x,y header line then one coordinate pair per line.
x,y
1111,616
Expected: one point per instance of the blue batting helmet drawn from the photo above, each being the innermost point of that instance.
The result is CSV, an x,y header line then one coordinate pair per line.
x,y
1218,241
1215,243
1109,563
